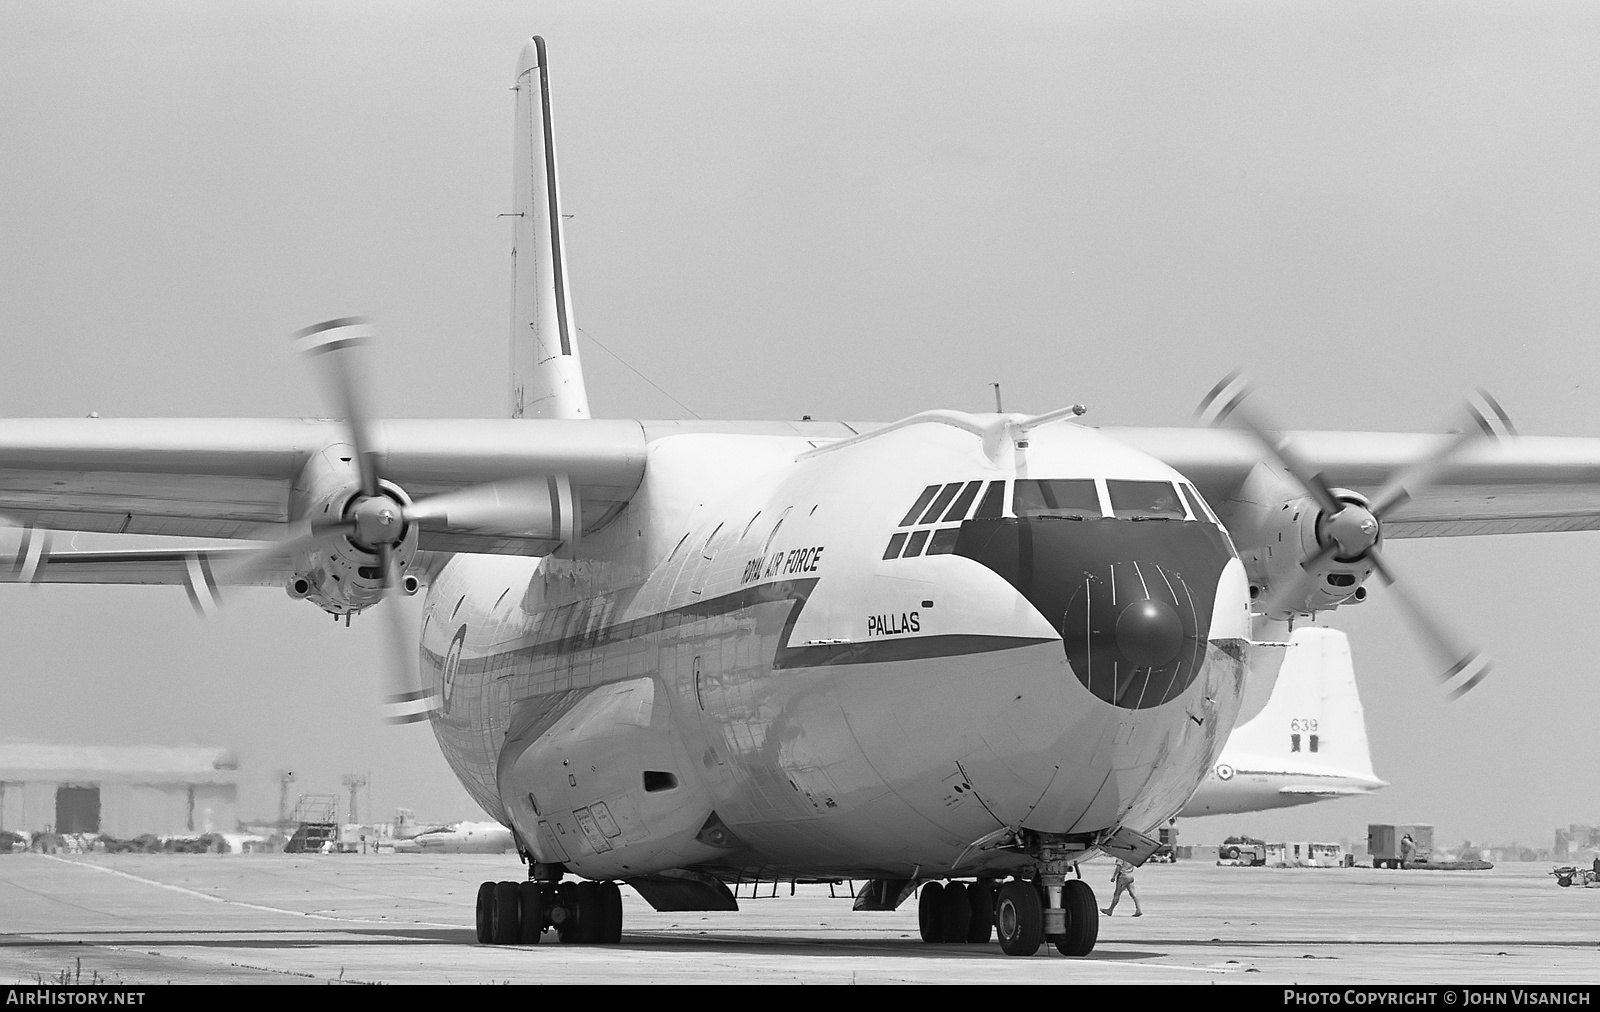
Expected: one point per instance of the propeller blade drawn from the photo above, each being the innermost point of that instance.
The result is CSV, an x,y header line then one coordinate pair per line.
x,y
33,551
335,349
1460,667
495,504
404,699
1485,421
300,537
1224,405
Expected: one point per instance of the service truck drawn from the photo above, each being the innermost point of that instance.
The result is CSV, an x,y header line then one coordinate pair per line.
x,y
1386,844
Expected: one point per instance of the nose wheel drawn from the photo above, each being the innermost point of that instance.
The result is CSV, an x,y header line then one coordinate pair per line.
x,y
519,913
1019,918
1056,908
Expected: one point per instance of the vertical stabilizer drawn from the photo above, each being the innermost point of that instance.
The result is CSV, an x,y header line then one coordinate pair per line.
x,y
546,376
1314,721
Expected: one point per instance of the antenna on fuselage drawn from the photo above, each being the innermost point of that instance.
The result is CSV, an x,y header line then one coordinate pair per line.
x,y
998,409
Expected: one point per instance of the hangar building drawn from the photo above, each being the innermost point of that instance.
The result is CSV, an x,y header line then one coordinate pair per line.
x,y
122,791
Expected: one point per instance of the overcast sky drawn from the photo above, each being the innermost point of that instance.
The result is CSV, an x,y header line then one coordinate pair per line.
x,y
832,209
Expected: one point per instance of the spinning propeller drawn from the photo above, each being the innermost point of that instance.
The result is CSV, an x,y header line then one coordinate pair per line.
x,y
375,519
1349,528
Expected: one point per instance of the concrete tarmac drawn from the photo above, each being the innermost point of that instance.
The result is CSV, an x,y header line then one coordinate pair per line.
x,y
280,919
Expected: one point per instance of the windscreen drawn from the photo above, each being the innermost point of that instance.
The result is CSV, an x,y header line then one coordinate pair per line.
x,y
1145,500
1074,498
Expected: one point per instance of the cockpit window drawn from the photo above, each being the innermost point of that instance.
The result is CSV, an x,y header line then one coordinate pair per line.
x,y
1197,506
1074,498
1145,500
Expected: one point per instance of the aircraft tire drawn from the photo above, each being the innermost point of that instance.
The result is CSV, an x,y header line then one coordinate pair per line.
x,y
1083,919
505,917
955,912
980,898
930,912
567,900
486,913
1019,918
610,913
531,907
591,913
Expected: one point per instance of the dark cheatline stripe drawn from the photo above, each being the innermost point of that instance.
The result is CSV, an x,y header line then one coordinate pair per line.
x,y
811,655
909,648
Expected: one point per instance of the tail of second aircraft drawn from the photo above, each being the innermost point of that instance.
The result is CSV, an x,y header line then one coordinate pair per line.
x,y
546,375
1308,743
1313,721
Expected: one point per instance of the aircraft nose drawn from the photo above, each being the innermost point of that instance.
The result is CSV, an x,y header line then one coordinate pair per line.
x,y
1149,632
1132,600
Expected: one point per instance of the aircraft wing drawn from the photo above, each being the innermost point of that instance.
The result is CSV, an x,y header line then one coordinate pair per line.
x,y
1516,485
232,477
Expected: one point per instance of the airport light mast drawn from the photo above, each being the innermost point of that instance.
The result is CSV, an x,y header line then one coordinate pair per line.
x,y
354,782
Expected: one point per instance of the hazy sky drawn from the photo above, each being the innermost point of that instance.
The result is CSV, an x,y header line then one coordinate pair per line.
x,y
830,209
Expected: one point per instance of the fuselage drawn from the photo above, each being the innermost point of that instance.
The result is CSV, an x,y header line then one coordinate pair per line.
x,y
864,660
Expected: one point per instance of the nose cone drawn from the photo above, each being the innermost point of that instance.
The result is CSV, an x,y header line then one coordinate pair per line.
x,y
1149,633
1132,600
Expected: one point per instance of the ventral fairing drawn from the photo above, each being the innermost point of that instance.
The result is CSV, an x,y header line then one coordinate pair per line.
x,y
965,652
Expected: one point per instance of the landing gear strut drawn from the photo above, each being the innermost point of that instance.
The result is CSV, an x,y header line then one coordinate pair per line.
x,y
513,913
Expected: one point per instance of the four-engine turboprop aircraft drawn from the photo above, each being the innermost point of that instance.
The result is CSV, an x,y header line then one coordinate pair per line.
x,y
973,649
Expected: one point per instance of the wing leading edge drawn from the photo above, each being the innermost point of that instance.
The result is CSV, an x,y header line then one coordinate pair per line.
x,y
231,478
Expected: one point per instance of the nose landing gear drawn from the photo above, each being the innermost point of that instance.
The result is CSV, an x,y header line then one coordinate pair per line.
x,y
512,913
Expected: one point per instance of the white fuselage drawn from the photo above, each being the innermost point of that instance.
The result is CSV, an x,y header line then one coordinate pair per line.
x,y
734,672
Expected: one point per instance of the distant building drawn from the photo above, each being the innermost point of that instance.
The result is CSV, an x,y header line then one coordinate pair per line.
x,y
1576,842
121,791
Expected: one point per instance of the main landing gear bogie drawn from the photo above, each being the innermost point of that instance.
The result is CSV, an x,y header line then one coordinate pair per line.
x,y
519,913
1020,912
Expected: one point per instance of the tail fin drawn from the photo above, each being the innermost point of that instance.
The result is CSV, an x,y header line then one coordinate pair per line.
x,y
1313,721
546,376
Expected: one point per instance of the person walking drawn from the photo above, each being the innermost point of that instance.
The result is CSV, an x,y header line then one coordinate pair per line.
x,y
1408,849
1122,875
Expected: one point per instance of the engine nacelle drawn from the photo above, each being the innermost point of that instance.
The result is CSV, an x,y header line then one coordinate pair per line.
x,y
1276,527
342,575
